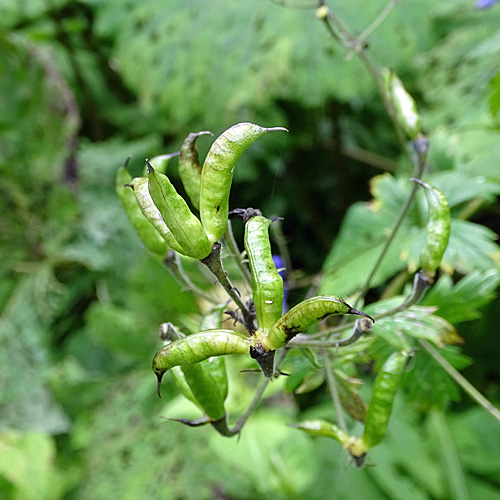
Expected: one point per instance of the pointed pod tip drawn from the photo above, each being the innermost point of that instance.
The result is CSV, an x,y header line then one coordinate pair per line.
x,y
360,313
150,167
275,129
159,376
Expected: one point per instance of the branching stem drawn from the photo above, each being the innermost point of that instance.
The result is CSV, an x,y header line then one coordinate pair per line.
x,y
214,264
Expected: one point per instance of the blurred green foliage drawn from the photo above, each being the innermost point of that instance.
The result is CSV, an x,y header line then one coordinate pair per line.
x,y
85,84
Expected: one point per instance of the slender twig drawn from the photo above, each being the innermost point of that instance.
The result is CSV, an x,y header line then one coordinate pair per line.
x,y
420,285
331,19
236,255
361,327
173,263
332,387
421,157
214,264
460,379
360,40
258,396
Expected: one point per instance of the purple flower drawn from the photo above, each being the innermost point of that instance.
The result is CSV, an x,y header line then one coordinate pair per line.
x,y
280,266
485,4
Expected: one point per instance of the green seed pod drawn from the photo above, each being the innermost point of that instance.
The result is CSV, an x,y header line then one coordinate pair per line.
x,y
185,227
304,315
380,406
323,428
203,383
198,347
217,175
149,236
267,284
149,210
208,383
438,229
189,168
404,105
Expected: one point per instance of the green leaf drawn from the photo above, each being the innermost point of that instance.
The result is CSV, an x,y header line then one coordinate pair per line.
x,y
461,301
184,226
428,385
245,57
494,98
27,463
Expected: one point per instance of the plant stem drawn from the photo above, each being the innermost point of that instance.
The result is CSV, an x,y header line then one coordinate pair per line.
x,y
360,41
332,387
361,327
256,399
173,263
460,379
350,41
421,155
214,264
235,253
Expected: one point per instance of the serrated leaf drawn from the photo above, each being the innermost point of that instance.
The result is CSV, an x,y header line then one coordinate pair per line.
x,y
415,321
461,301
236,45
428,385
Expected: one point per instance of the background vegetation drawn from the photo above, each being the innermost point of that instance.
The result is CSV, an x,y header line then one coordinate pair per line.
x,y
85,84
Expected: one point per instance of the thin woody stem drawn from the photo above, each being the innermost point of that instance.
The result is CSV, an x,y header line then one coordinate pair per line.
x,y
235,253
332,387
460,380
173,263
361,327
421,147
256,399
214,264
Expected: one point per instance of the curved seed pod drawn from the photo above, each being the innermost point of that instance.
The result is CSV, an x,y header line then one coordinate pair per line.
x,y
380,406
208,383
198,347
185,226
304,315
267,284
217,175
149,236
203,383
139,186
404,105
323,428
189,167
438,229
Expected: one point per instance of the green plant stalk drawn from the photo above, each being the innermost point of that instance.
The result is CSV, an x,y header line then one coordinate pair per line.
x,y
361,327
236,255
330,19
173,263
332,387
460,380
401,216
444,441
214,264
258,396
